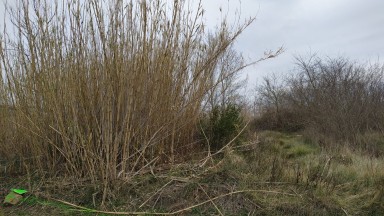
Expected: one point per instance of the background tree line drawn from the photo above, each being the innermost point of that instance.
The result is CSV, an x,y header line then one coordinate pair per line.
x,y
334,97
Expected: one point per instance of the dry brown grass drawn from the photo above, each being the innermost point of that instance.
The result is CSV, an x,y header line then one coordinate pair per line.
x,y
268,176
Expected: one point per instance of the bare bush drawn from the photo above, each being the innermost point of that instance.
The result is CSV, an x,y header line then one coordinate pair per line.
x,y
226,83
338,97
275,110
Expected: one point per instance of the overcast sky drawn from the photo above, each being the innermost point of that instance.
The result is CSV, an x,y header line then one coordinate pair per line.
x,y
351,28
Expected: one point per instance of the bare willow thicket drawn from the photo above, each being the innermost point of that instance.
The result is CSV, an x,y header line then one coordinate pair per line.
x,y
103,90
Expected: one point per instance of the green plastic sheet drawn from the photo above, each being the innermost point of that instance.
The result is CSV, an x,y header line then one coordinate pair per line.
x,y
19,191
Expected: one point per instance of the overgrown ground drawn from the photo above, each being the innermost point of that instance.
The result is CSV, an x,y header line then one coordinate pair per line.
x,y
275,174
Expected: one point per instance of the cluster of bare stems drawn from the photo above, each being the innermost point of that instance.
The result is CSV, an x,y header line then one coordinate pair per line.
x,y
103,89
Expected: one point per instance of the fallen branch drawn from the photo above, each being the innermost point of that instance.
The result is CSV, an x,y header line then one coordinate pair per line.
x,y
224,147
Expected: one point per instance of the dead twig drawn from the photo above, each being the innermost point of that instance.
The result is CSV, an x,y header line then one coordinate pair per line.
x,y
213,203
161,189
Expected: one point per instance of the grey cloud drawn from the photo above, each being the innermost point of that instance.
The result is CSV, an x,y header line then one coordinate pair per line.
x,y
353,28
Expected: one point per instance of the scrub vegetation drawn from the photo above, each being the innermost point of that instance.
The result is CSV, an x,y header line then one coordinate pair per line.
x,y
134,107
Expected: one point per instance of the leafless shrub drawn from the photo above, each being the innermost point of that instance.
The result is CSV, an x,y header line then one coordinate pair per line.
x,y
338,97
226,84
276,113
